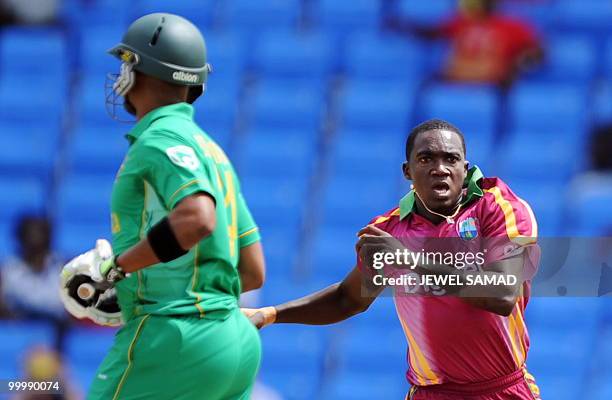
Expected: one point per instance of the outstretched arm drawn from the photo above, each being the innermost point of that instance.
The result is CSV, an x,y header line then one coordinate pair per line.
x,y
330,305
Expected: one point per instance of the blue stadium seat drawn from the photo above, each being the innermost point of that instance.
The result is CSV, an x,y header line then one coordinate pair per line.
x,y
293,360
8,241
95,42
44,44
607,59
377,105
98,150
274,200
342,17
216,110
91,105
473,109
375,56
603,363
382,313
523,157
333,250
351,200
42,96
100,13
200,12
570,349
558,314
281,248
547,107
304,56
536,13
85,198
227,53
74,237
88,345
255,16
587,15
590,200
30,150
426,13
366,385
370,154
85,350
17,338
373,348
281,105
601,107
23,195
546,200
294,346
39,99
570,58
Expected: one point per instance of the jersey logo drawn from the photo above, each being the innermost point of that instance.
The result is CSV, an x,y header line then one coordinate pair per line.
x,y
184,77
183,156
467,228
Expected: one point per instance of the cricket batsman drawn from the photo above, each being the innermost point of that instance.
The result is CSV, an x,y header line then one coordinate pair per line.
x,y
464,342
184,243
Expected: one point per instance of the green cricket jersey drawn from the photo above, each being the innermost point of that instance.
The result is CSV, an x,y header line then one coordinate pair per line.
x,y
170,158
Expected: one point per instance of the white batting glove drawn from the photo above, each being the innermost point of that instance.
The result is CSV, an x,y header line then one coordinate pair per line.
x,y
96,267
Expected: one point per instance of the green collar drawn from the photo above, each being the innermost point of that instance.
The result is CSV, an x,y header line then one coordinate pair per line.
x,y
184,110
471,183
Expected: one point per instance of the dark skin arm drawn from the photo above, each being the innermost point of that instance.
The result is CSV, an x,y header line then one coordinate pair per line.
x,y
191,220
498,300
333,304
252,267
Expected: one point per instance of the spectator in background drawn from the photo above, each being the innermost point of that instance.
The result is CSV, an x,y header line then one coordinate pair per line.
x,y
45,365
30,12
601,149
29,283
485,47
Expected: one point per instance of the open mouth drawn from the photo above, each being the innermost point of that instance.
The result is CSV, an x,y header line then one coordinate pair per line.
x,y
440,189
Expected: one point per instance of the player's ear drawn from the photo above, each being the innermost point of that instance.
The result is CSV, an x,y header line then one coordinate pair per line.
x,y
406,170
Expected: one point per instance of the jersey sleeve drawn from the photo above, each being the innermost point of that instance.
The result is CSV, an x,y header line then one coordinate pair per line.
x,y
509,225
174,168
248,232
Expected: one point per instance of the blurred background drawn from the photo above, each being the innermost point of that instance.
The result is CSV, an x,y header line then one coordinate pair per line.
x,y
312,100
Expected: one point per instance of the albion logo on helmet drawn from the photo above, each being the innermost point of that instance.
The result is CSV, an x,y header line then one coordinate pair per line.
x,y
184,77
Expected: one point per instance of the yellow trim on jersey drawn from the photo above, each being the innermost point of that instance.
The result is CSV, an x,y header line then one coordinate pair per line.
x,y
247,233
194,282
520,330
130,357
185,185
510,218
511,331
417,359
395,212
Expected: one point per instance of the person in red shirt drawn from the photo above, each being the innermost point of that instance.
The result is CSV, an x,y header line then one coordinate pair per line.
x,y
464,341
486,47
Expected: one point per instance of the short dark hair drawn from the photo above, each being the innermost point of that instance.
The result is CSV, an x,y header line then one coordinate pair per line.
x,y
431,125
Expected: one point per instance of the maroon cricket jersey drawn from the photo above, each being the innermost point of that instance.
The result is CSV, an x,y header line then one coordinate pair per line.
x,y
449,340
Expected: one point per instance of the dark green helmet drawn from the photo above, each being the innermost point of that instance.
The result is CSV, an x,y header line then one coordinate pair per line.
x,y
167,47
